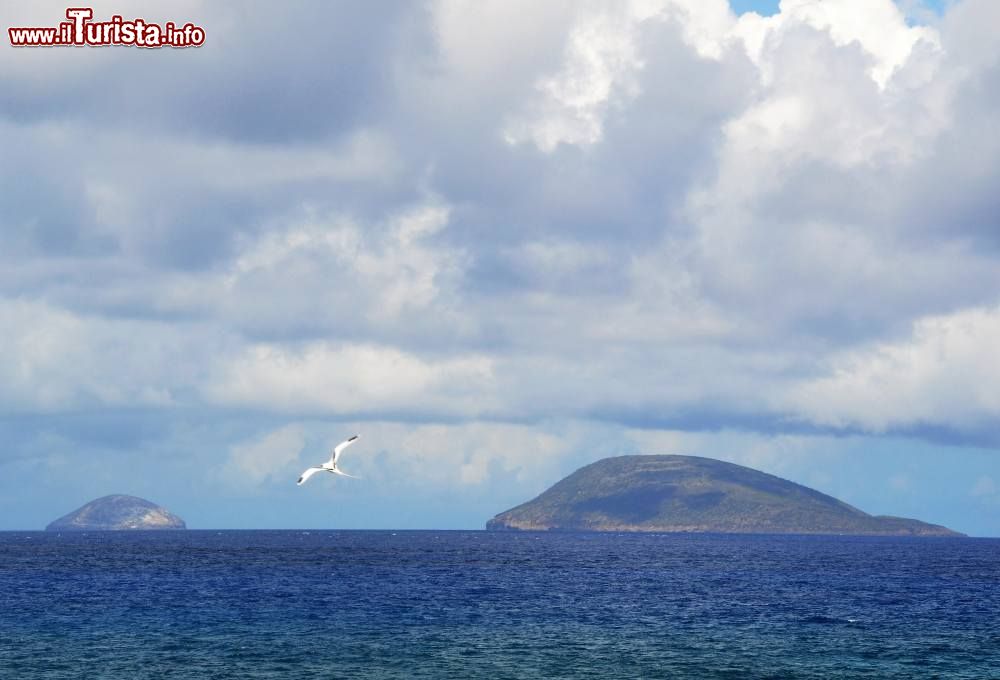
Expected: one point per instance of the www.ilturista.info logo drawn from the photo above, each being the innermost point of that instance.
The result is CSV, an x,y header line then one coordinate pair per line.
x,y
81,31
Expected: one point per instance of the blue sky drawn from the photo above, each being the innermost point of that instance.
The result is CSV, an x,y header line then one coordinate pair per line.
x,y
771,7
762,7
500,240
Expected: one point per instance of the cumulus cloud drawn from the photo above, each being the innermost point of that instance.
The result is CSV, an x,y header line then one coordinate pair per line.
x,y
258,460
331,276
603,57
54,360
351,379
468,454
600,65
879,28
944,374
760,249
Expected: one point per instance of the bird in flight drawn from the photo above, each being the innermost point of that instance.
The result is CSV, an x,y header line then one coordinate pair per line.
x,y
330,465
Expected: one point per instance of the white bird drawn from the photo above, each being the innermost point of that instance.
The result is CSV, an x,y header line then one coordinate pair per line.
x,y
330,465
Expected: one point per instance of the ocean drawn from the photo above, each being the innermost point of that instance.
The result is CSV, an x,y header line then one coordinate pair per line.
x,y
473,604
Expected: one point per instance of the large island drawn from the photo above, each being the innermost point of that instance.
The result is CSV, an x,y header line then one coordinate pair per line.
x,y
692,494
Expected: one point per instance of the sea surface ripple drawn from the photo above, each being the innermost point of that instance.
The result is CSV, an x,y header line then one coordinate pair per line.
x,y
454,604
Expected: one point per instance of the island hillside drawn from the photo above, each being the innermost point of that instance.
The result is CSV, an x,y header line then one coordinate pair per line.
x,y
692,494
116,513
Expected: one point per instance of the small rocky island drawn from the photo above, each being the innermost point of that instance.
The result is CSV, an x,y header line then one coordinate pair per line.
x,y
118,513
692,494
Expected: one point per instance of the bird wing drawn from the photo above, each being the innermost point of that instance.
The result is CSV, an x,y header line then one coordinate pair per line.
x,y
339,448
307,474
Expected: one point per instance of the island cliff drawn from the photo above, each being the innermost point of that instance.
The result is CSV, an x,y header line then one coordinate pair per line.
x,y
692,494
116,513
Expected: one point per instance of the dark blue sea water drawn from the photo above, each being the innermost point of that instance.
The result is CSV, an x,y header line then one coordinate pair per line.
x,y
357,604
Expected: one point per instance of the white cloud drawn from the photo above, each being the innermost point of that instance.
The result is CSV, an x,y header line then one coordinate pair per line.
x,y
879,27
52,359
463,454
345,277
475,36
945,373
600,66
603,57
560,257
603,60
258,460
764,264
469,456
349,378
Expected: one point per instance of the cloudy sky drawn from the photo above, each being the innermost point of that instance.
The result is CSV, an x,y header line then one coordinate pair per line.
x,y
500,240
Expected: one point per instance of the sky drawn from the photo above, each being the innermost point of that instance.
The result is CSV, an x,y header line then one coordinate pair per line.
x,y
500,240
